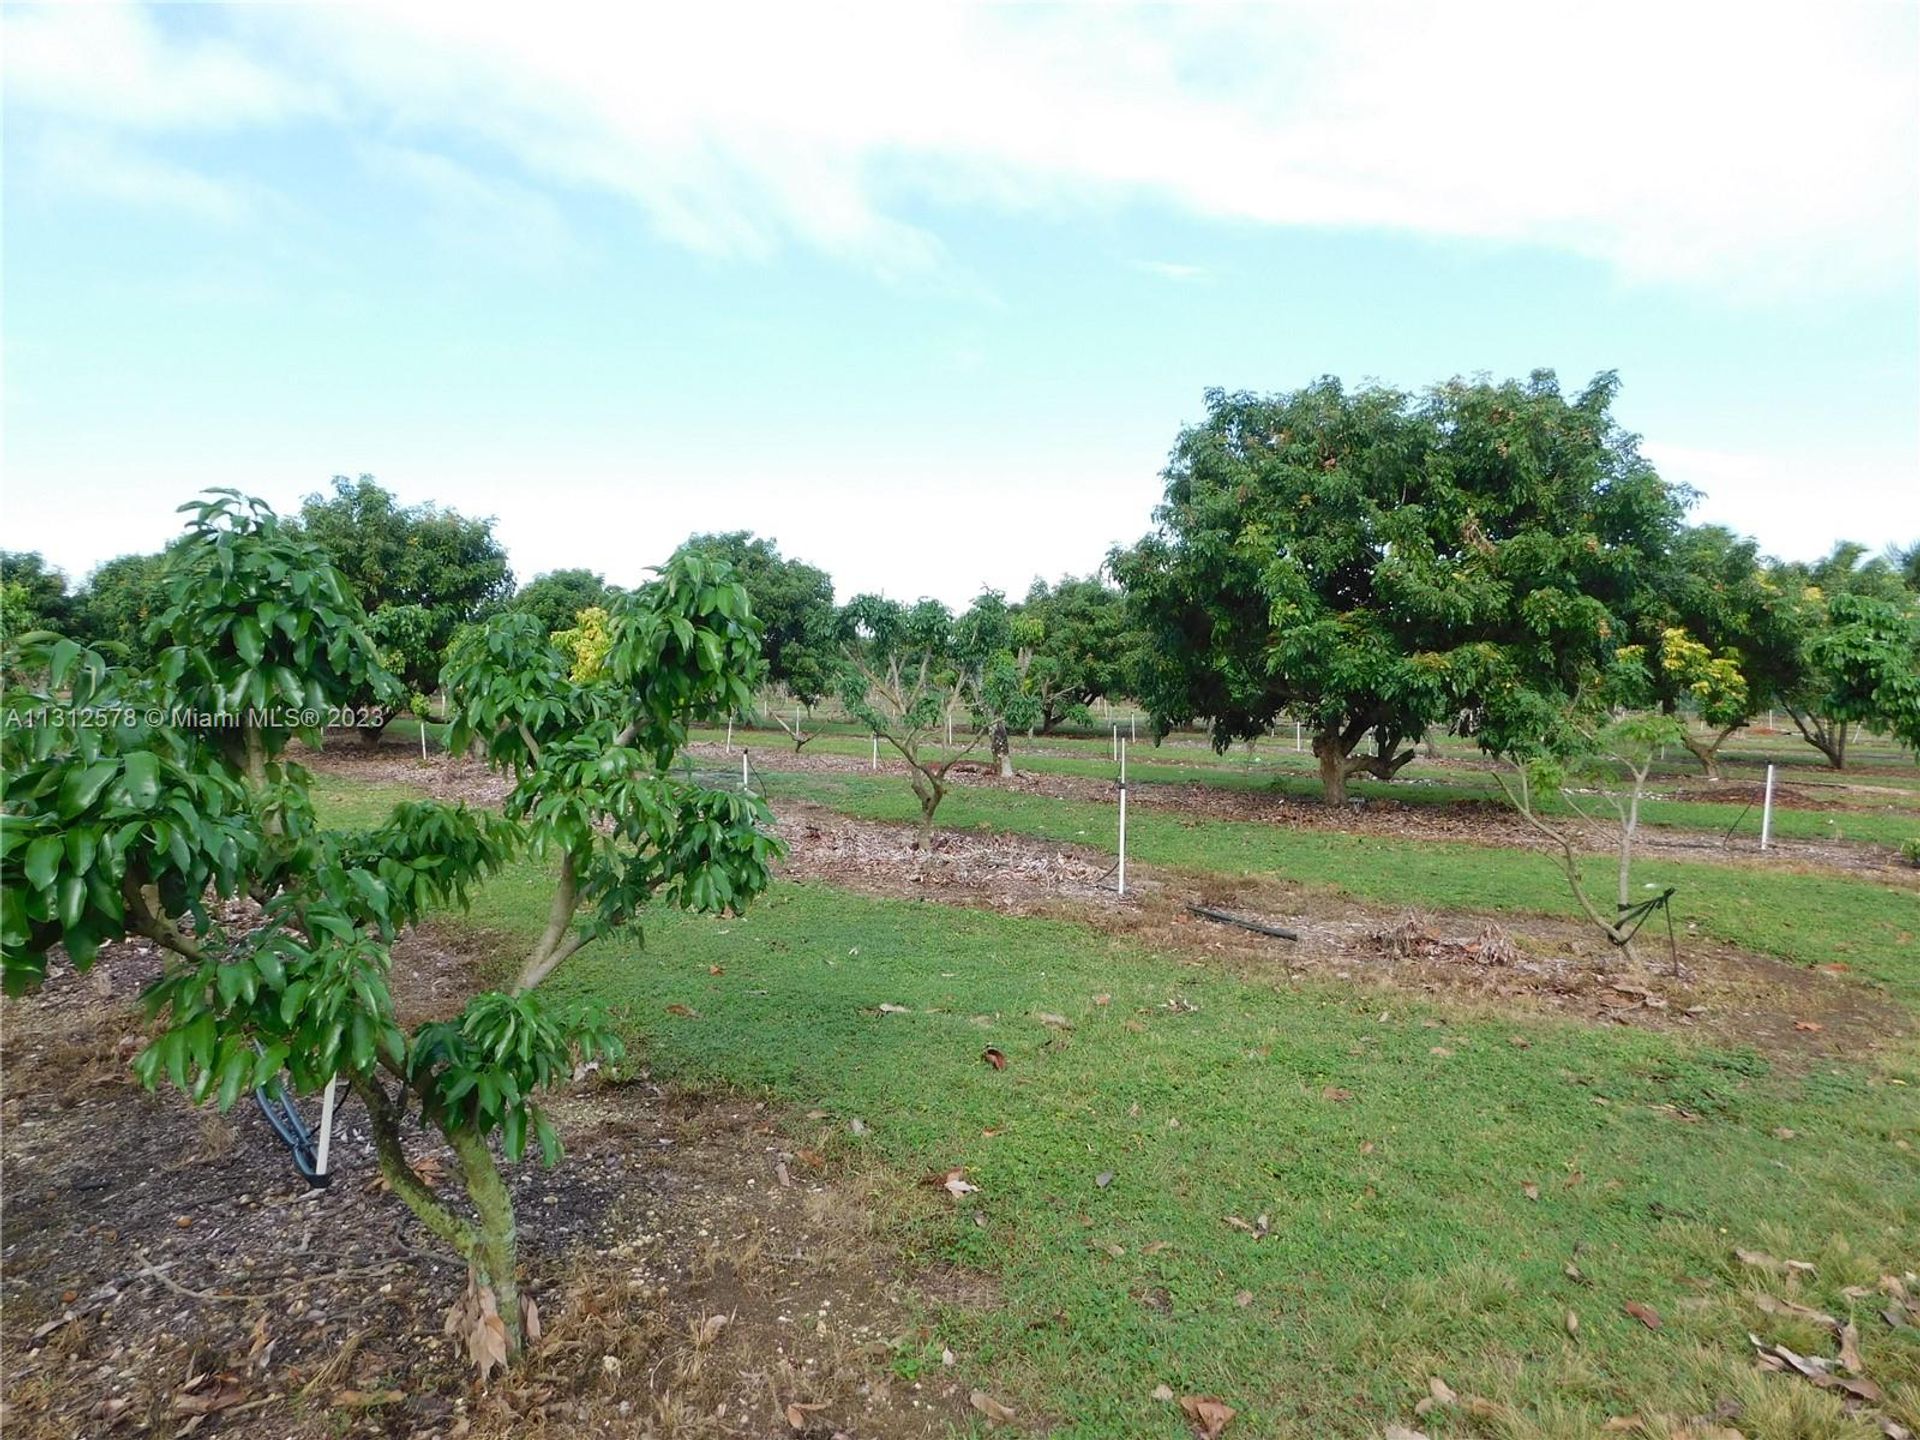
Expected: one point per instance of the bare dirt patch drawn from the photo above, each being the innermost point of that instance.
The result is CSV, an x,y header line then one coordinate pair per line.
x,y
1531,964
1013,873
701,1262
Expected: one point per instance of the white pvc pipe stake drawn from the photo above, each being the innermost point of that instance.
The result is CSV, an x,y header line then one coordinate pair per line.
x,y
1116,742
1123,820
875,765
423,737
1133,727
1766,812
326,1129
745,783
1296,735
729,734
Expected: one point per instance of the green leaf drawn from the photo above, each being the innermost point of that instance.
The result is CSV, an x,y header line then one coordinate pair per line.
x,y
248,642
140,785
82,787
43,861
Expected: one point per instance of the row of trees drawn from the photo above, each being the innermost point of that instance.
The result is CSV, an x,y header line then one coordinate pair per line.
x,y
1369,563
1373,563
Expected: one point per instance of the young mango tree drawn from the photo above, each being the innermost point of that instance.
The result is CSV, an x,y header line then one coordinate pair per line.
x,y
908,668
133,827
1597,756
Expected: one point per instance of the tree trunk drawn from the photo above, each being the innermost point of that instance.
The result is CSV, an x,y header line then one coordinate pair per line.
x,y
1002,751
1333,767
370,734
495,1257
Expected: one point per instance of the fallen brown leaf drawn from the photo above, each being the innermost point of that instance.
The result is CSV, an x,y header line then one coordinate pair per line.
x,y
797,1413
685,1012
366,1399
1207,1415
194,1400
1645,1314
1850,1348
991,1408
994,1058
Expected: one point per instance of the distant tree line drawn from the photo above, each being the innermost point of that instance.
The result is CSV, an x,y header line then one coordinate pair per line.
x,y
1483,557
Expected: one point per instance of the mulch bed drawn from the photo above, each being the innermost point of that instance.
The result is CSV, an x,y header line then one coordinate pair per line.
x,y
166,1271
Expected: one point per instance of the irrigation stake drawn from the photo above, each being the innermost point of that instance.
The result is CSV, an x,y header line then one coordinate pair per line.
x,y
875,764
1766,811
326,1130
1116,742
423,737
1296,736
1123,817
1133,727
729,734
745,783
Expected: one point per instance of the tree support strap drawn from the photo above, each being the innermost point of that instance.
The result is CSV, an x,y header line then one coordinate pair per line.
x,y
1631,917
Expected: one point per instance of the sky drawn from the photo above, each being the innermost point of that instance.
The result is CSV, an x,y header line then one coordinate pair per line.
x,y
926,293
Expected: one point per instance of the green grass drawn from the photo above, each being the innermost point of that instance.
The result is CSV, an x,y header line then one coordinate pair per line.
x,y
1806,916
1403,1243
1883,819
1420,1256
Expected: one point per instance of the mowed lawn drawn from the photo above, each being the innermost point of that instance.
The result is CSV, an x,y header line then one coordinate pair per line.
x,y
1394,1149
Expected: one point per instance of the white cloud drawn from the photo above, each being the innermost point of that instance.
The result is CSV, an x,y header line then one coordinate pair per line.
x,y
1798,506
111,64
96,167
1745,147
499,217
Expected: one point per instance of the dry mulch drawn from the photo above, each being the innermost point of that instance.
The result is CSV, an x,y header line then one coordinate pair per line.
x,y
161,1261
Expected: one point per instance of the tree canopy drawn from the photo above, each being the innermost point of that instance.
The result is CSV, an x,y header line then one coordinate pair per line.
x,y
793,601
557,597
420,571
1076,645
1372,562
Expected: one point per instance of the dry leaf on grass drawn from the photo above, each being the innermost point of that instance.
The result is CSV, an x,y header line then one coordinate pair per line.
x,y
1850,1348
1336,1094
199,1398
994,1058
1442,1393
991,1408
1401,1432
1645,1314
366,1399
1207,1415
798,1411
1530,1190
685,1012
891,1009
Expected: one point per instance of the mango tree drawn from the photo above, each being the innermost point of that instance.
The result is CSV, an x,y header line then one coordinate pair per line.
x,y
908,668
1363,561
185,794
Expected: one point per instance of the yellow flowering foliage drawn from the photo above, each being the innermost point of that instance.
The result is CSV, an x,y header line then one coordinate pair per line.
x,y
587,643
1715,681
